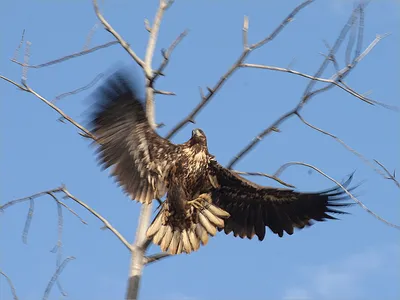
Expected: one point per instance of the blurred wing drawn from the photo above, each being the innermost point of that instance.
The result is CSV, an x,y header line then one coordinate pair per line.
x,y
141,158
253,207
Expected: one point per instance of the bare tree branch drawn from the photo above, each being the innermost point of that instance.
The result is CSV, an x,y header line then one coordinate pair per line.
x,y
151,44
64,115
265,175
155,257
245,32
246,51
68,195
389,175
16,52
363,206
81,89
26,62
358,154
166,55
167,93
98,216
34,196
141,242
67,57
26,88
13,290
58,248
28,221
120,40
342,35
308,94
340,84
59,245
140,245
351,43
287,20
55,276
90,36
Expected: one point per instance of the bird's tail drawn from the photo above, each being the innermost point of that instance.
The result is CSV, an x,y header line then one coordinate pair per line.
x,y
184,232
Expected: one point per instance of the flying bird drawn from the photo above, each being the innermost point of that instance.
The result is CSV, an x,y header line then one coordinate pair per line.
x,y
202,196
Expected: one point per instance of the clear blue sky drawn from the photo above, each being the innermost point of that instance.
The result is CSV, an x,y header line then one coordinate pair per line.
x,y
355,258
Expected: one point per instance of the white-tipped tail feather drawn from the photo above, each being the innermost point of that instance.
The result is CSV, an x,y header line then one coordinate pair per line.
x,y
201,220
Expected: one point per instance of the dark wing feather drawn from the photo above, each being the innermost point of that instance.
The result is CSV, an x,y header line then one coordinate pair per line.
x,y
141,158
253,207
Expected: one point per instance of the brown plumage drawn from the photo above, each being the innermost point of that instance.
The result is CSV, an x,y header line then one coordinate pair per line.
x,y
202,196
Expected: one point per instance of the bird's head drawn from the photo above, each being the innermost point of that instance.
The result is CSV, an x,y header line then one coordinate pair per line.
x,y
199,137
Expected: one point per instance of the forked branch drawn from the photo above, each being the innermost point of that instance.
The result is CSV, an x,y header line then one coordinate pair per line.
x,y
120,40
55,276
141,243
205,99
67,57
308,94
66,194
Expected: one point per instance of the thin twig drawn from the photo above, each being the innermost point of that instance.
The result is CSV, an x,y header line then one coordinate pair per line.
x,y
342,35
34,196
363,206
13,290
308,94
287,20
27,56
59,246
245,32
155,257
265,175
341,85
120,40
360,37
147,25
98,216
64,116
16,52
350,45
389,175
161,92
67,194
28,221
70,210
358,154
67,57
240,60
90,36
55,276
81,89
166,55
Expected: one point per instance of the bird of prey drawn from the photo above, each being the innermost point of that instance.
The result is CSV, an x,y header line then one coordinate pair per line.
x,y
201,195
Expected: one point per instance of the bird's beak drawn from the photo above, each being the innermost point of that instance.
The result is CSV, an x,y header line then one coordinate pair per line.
x,y
196,132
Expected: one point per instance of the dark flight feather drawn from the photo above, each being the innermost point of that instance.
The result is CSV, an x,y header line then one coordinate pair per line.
x,y
141,158
281,210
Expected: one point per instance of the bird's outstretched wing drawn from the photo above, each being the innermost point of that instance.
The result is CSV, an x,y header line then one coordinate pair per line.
x,y
253,207
139,156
